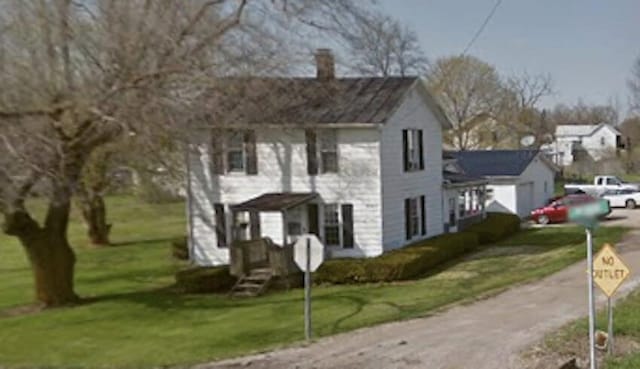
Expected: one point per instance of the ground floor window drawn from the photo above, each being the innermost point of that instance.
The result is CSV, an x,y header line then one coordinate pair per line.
x,y
452,211
338,225
415,217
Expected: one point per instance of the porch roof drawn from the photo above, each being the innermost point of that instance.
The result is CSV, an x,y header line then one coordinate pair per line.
x,y
275,201
462,180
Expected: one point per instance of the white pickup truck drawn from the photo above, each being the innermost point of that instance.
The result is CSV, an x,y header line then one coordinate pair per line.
x,y
600,185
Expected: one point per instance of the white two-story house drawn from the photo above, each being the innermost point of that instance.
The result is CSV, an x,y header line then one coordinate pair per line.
x,y
356,161
598,141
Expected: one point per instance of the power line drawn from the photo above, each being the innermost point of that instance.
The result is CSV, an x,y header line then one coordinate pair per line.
x,y
482,27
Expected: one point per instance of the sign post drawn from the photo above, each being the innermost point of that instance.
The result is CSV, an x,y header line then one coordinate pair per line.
x,y
587,215
592,304
308,253
609,273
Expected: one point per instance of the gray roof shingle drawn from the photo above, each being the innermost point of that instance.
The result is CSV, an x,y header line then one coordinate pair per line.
x,y
494,163
305,100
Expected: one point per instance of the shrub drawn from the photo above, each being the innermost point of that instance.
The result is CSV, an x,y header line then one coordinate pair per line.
x,y
402,264
180,248
205,280
419,258
496,227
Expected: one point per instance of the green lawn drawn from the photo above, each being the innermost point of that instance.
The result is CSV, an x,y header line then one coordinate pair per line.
x,y
626,323
134,321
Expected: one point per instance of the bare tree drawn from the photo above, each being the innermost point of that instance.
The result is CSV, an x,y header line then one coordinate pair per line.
x,y
79,75
380,45
634,86
469,90
522,114
582,113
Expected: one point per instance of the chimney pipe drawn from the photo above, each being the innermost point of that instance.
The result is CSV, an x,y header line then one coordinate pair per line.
x,y
325,65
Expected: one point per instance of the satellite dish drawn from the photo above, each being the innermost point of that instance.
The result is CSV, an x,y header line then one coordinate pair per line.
x,y
527,141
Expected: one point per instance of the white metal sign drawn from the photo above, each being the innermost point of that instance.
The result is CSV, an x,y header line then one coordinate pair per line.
x,y
310,245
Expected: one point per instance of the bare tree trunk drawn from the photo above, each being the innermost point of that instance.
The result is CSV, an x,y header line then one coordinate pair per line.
x,y
94,213
51,257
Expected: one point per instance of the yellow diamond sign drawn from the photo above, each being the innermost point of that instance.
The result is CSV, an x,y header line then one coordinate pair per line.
x,y
608,270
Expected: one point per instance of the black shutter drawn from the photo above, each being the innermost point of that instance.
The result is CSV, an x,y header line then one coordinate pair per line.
x,y
421,149
221,225
217,151
313,219
250,152
347,226
423,216
405,149
254,222
407,218
312,152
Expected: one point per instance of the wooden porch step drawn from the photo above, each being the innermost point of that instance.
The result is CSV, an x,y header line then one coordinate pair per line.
x,y
252,285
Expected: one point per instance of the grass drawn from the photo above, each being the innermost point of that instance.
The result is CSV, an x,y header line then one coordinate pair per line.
x,y
626,323
134,321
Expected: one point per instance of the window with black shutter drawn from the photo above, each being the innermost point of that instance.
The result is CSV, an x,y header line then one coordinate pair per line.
x,y
250,152
312,152
347,226
217,151
415,217
413,150
220,224
328,151
423,216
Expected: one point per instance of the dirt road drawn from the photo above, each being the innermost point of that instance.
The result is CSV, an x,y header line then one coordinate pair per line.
x,y
488,334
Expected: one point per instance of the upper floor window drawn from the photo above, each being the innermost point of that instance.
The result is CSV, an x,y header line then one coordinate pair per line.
x,y
413,151
603,141
322,151
233,151
328,151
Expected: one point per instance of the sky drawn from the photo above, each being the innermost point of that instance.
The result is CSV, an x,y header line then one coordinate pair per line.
x,y
587,46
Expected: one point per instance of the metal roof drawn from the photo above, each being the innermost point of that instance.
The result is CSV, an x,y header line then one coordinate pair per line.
x,y
275,201
581,129
368,100
494,163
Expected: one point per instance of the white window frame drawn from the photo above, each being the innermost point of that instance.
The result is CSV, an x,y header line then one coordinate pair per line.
x,y
415,218
325,224
327,149
229,149
413,150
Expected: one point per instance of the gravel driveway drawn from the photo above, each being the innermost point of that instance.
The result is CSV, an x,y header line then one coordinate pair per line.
x,y
487,334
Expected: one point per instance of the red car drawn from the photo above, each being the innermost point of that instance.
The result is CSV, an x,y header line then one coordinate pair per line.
x,y
557,211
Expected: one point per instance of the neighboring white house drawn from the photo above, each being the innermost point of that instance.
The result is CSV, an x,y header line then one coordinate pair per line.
x,y
518,180
598,140
357,161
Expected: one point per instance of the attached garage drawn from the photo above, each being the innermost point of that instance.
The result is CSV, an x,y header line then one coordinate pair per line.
x,y
518,180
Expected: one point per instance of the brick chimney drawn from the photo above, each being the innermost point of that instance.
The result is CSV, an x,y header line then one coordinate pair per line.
x,y
325,65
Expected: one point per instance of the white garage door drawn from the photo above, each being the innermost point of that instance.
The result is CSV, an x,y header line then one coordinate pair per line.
x,y
525,199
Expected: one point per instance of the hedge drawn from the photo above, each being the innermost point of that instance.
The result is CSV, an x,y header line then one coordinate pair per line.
x,y
417,259
496,227
205,280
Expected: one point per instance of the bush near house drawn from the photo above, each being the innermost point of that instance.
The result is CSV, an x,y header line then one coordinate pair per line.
x,y
496,227
402,264
417,259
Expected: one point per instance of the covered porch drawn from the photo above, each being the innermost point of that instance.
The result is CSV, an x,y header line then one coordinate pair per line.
x,y
265,228
464,200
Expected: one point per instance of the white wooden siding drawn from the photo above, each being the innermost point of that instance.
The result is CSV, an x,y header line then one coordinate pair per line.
x,y
282,167
503,199
398,185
